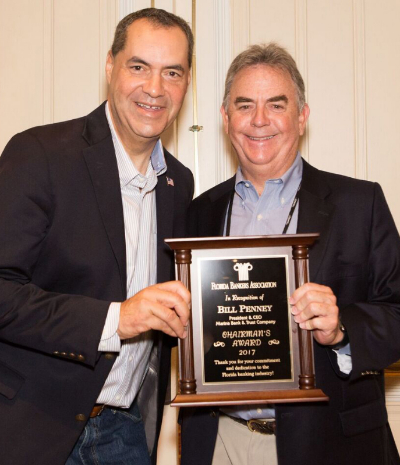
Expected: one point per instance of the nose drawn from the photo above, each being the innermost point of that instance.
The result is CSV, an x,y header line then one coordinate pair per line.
x,y
154,86
260,117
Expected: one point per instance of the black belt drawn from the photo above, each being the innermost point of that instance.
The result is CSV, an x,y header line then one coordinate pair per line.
x,y
256,425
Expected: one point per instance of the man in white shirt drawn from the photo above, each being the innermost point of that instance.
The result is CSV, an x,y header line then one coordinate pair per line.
x,y
85,330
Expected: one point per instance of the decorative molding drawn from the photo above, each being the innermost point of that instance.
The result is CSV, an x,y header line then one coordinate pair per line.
x,y
125,7
224,162
195,112
301,56
108,13
48,61
240,18
128,6
360,108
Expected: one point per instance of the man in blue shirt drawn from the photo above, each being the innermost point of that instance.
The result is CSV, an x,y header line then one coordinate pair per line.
x,y
351,305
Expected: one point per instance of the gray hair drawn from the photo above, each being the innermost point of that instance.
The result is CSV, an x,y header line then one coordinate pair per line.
x,y
269,55
156,17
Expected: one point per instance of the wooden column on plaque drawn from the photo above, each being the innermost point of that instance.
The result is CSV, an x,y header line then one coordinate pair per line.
x,y
187,381
307,375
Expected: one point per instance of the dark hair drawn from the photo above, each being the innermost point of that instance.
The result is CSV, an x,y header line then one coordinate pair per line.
x,y
269,55
157,17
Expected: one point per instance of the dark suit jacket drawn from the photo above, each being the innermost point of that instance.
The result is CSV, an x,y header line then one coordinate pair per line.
x,y
62,261
358,256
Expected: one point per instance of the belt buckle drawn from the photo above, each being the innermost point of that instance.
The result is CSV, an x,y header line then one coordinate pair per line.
x,y
255,422
261,426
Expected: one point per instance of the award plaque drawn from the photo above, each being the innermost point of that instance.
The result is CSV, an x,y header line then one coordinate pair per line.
x,y
243,345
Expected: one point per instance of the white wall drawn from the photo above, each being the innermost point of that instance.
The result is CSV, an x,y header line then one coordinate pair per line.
x,y
52,56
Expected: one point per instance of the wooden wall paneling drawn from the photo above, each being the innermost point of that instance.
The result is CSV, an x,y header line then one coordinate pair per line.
x,y
301,57
273,21
128,6
180,139
22,67
382,37
76,58
331,85
168,5
48,61
240,25
108,16
360,116
225,158
213,57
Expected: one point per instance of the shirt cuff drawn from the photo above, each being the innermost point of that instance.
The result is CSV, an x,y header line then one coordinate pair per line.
x,y
344,359
110,341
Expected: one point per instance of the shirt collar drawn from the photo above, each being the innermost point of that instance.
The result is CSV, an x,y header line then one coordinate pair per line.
x,y
288,182
127,170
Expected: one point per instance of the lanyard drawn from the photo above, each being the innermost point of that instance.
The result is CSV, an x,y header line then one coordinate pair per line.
x,y
288,219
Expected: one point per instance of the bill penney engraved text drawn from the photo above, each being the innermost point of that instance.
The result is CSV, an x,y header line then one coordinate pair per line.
x,y
244,309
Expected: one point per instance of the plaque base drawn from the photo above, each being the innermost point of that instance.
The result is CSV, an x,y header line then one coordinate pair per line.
x,y
249,397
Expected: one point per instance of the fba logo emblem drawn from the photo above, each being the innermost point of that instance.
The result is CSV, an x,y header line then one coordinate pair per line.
x,y
243,270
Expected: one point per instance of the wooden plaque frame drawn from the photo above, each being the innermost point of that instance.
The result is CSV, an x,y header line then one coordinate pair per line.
x,y
187,392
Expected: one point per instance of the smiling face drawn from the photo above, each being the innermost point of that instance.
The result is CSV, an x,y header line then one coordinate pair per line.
x,y
263,122
147,81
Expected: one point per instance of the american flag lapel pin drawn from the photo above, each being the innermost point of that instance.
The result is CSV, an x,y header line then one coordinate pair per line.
x,y
170,181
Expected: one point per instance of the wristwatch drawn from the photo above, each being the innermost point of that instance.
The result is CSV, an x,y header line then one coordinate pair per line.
x,y
344,341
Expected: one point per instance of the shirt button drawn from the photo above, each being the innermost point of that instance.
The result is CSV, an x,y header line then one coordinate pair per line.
x,y
259,410
259,217
130,358
117,397
282,200
247,184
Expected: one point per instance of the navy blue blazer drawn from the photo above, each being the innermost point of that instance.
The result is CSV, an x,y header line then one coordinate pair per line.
x,y
358,256
62,261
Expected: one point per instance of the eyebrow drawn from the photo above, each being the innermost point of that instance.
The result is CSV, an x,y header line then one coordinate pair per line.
x,y
276,98
135,59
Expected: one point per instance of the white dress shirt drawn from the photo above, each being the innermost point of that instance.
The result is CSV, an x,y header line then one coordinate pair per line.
x,y
139,208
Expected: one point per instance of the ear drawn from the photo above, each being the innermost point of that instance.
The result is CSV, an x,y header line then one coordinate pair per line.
x,y
109,66
225,118
303,118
